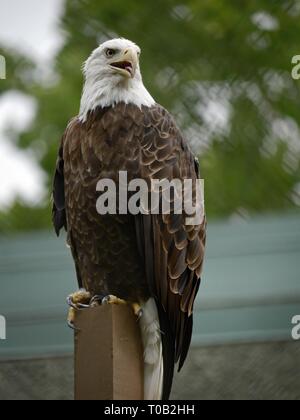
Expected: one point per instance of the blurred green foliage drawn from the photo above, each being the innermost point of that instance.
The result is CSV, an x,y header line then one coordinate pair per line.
x,y
222,68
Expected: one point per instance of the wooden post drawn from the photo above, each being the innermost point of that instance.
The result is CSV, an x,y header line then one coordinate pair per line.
x,y
108,354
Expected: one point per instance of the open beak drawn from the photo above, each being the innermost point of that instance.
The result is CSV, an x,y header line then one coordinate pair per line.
x,y
127,64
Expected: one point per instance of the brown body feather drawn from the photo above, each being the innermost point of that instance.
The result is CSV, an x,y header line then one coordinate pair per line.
x,y
133,257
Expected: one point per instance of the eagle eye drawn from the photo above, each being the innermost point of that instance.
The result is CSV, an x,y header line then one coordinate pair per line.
x,y
110,53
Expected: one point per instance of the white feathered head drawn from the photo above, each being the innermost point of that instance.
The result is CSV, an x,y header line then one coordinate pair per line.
x,y
112,75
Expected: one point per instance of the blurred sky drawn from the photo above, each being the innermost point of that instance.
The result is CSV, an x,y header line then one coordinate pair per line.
x,y
31,27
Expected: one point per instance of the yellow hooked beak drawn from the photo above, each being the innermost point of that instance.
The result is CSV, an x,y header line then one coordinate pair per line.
x,y
127,64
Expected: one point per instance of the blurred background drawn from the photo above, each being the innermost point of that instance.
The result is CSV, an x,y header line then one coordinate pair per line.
x,y
224,69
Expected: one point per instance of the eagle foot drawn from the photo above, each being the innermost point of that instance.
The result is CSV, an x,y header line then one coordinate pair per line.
x,y
137,310
77,301
114,300
107,300
71,319
83,300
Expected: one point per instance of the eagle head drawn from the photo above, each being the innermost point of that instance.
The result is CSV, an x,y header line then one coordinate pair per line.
x,y
112,75
117,59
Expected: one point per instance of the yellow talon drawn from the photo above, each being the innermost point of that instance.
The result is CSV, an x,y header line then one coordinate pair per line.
x,y
71,318
137,310
114,300
79,299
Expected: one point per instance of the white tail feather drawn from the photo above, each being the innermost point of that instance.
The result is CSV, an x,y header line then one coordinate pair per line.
x,y
153,354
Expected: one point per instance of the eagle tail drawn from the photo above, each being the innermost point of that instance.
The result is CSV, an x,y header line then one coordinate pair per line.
x,y
153,352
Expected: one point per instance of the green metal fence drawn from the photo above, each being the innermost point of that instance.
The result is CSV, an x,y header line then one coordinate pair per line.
x,y
250,291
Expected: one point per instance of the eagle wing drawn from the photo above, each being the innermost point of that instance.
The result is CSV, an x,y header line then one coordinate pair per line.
x,y
173,252
58,209
59,213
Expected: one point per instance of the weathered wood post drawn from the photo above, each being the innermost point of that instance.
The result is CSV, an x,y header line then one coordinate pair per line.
x,y
108,354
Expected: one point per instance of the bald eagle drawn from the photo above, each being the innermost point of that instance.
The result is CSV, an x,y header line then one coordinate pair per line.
x,y
151,261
